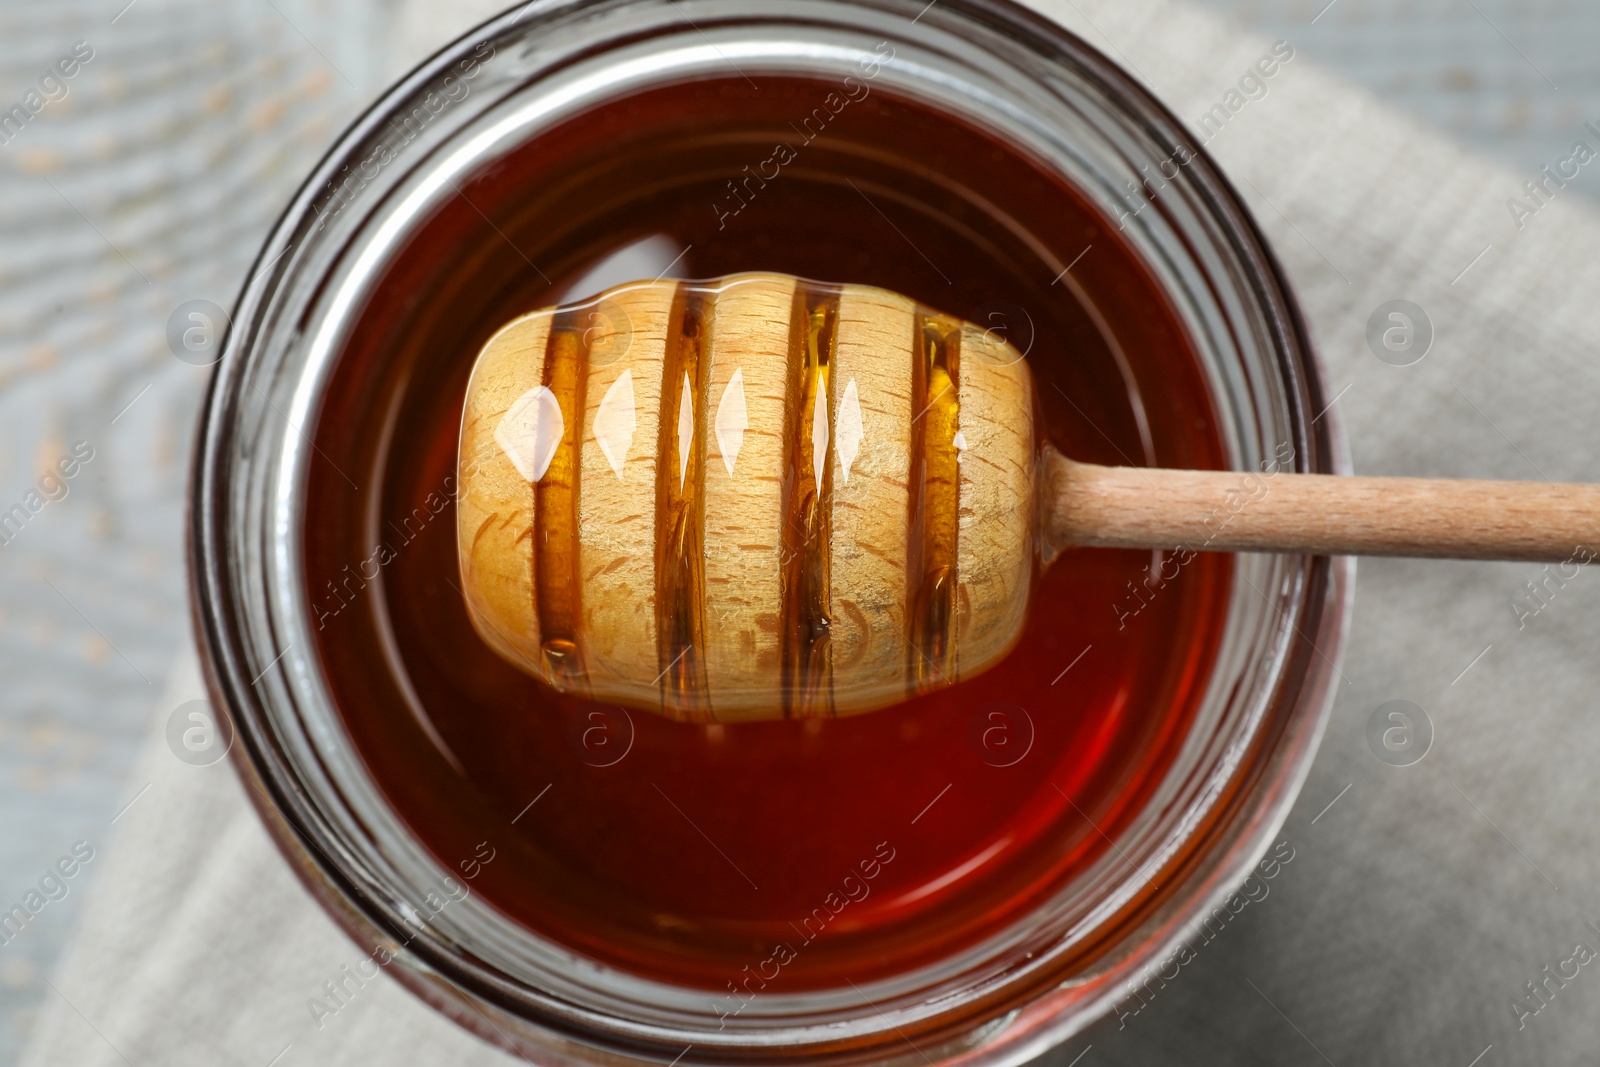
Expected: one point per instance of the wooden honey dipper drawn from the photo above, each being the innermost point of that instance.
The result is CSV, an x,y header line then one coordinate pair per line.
x,y
762,497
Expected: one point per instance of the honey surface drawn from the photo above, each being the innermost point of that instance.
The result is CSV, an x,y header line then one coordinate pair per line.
x,y
868,845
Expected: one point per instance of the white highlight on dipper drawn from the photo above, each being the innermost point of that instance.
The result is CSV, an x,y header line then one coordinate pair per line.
x,y
819,430
615,422
850,429
685,430
733,418
531,431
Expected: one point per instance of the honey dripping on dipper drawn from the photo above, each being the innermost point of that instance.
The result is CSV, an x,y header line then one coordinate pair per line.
x,y
762,497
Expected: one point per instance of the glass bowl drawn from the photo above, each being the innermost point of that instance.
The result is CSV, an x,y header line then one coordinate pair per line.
x,y
986,65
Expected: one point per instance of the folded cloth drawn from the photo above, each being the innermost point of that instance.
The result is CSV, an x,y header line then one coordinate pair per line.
x,y
1429,913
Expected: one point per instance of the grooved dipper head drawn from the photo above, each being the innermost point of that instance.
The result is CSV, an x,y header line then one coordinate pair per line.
x,y
752,498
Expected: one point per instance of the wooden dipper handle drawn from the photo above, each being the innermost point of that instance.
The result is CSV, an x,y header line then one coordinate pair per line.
x,y
1235,511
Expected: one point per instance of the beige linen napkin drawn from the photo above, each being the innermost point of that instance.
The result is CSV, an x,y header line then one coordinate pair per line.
x,y
1420,900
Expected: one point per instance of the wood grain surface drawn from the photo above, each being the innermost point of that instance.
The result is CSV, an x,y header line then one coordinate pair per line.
x,y
494,503
995,546
871,497
1238,511
616,497
744,495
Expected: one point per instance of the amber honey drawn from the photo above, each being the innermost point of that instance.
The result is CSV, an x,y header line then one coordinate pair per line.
x,y
807,650
841,848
